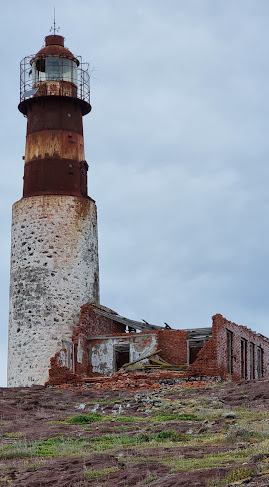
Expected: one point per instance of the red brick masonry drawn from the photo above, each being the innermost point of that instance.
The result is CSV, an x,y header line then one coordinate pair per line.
x,y
233,352
213,359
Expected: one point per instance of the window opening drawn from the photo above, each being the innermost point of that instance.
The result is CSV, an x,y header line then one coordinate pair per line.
x,y
243,358
259,362
251,361
230,351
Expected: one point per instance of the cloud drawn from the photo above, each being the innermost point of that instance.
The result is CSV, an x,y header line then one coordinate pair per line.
x,y
177,143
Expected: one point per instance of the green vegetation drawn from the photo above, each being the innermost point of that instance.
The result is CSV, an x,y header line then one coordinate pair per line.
x,y
94,417
162,436
13,435
124,419
84,418
143,435
57,446
175,417
60,446
106,442
236,474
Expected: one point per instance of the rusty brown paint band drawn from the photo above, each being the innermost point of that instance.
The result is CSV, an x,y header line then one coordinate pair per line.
x,y
55,176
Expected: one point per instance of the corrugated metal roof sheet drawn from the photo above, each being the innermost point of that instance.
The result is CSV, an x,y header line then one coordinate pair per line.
x,y
199,333
138,325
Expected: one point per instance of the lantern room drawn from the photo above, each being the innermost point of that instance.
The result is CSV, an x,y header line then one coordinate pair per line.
x,y
54,71
54,63
54,68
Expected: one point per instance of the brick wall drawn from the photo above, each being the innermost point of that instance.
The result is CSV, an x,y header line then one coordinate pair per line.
x,y
206,362
59,373
97,324
91,323
173,345
238,333
213,357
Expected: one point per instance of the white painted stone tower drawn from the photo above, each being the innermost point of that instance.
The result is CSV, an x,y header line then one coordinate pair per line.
x,y
54,246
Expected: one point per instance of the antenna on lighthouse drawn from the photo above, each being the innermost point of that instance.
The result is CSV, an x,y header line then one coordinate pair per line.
x,y
54,29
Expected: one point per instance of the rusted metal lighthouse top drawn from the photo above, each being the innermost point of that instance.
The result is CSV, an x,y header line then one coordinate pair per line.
x,y
54,71
54,46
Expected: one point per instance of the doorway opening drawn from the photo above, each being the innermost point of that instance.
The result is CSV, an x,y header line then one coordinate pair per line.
x,y
121,356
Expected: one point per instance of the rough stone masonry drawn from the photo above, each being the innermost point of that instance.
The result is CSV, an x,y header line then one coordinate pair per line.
x,y
54,248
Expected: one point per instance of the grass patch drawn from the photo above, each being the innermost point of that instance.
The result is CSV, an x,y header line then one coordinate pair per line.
x,y
13,435
60,446
84,418
160,417
124,419
207,461
15,451
230,457
108,441
53,447
97,474
236,474
162,436
94,417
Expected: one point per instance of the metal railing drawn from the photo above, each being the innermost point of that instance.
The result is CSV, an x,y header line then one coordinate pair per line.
x,y
29,87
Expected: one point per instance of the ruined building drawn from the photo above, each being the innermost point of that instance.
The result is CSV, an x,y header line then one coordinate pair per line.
x,y
58,331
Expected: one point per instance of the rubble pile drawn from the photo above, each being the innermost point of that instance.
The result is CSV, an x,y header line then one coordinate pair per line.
x,y
138,381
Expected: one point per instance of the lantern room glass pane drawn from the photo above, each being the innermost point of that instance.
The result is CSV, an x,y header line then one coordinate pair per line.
x,y
69,70
54,68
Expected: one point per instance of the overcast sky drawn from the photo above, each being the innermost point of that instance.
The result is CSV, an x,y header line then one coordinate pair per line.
x,y
178,148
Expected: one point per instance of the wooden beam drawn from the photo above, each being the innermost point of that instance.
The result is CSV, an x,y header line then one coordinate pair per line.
x,y
141,358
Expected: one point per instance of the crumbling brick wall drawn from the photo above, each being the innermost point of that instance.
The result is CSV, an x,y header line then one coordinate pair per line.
x,y
90,324
95,337
97,324
206,362
239,332
173,346
213,359
59,373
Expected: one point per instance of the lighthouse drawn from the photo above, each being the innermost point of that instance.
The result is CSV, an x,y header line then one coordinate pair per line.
x,y
54,243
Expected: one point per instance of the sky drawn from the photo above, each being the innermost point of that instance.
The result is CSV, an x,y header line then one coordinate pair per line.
x,y
178,148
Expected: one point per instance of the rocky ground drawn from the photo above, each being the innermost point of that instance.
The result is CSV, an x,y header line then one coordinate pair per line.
x,y
191,434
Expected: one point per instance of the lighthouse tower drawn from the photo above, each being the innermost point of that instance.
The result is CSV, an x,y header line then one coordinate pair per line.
x,y
54,246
